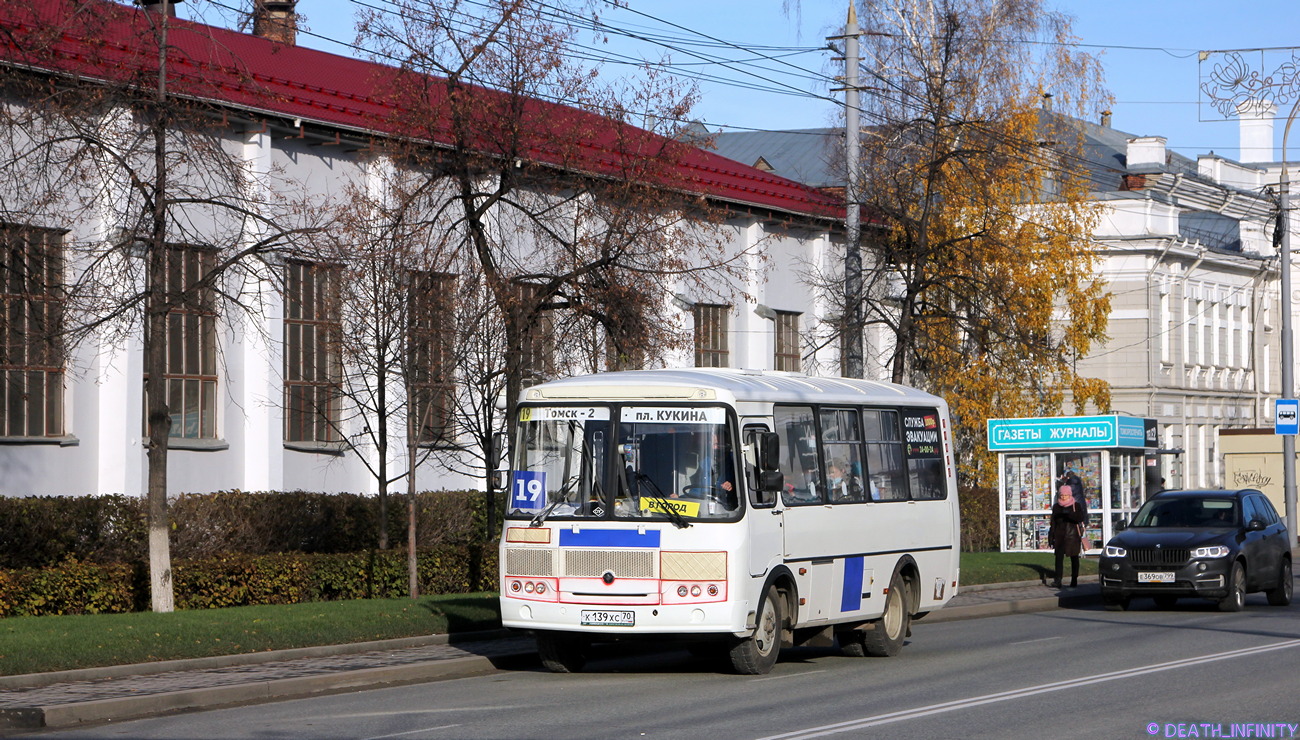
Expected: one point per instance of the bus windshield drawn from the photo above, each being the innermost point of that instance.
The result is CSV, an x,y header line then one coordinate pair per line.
x,y
675,463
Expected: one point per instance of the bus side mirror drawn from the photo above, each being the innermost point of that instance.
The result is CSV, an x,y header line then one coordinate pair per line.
x,y
496,451
770,481
769,451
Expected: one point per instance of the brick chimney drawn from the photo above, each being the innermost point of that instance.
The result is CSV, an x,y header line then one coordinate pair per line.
x,y
276,20
159,6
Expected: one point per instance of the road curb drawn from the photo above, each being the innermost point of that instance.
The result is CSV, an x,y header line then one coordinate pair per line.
x,y
133,707
37,680
1014,606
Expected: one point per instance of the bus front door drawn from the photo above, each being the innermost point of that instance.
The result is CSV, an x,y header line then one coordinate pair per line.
x,y
764,521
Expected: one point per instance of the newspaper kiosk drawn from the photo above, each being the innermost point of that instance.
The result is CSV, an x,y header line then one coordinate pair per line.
x,y
1110,454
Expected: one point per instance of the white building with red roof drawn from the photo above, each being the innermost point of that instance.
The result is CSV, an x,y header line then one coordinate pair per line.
x,y
308,121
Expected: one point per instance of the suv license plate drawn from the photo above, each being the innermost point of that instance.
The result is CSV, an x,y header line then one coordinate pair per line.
x,y
617,619
1155,577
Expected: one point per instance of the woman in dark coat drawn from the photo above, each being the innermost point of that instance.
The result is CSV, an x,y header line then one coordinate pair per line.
x,y
1064,536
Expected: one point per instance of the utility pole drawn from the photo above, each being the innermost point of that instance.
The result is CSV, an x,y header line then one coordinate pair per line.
x,y
851,332
1288,350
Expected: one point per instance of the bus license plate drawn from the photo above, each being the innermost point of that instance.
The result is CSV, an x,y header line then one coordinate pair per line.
x,y
1155,577
617,619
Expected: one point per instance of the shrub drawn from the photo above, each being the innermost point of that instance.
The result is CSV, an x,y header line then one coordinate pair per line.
x,y
979,519
72,588
39,532
245,580
45,530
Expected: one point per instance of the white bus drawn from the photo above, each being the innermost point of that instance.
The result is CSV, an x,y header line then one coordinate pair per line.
x,y
739,510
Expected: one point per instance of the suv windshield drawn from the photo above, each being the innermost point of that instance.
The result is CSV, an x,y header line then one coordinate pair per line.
x,y
675,463
1188,511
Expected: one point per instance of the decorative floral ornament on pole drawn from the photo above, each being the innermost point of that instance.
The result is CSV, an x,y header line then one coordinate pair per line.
x,y
1233,82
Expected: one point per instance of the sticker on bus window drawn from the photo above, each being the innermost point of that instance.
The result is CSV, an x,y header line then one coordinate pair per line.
x,y
685,508
671,415
528,491
922,433
563,413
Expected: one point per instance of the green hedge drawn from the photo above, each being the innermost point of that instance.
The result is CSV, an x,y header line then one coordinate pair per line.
x,y
39,532
245,580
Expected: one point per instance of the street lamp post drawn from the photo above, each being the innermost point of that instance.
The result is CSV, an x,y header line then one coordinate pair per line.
x,y
1288,352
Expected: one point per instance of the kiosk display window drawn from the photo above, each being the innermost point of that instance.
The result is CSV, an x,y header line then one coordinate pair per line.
x,y
1107,453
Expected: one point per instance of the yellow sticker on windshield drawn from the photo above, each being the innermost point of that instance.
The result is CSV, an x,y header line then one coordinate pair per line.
x,y
685,508
526,413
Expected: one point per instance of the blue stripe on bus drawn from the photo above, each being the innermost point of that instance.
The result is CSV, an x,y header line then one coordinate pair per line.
x,y
851,599
609,538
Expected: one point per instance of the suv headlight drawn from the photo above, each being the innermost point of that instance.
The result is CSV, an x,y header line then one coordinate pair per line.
x,y
1213,551
1114,551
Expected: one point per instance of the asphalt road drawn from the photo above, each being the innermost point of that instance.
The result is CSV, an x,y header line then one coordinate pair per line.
x,y
1087,673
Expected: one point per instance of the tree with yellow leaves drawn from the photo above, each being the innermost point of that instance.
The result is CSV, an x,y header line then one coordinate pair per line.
x,y
980,281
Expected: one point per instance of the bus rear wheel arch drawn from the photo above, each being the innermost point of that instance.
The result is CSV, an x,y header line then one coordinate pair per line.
x,y
884,637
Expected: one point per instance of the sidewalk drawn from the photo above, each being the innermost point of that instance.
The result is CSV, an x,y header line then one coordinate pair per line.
x,y
70,698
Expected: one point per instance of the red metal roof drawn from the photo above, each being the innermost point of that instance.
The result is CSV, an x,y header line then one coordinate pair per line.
x,y
102,40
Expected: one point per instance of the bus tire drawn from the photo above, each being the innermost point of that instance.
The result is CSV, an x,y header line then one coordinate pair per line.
x,y
886,636
756,654
560,652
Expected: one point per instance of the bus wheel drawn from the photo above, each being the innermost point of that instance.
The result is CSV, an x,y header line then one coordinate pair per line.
x,y
560,652
886,637
756,654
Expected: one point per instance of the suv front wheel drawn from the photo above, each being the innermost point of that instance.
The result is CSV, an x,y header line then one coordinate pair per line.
x,y
1235,601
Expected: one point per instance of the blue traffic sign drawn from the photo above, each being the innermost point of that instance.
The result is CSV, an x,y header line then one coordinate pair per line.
x,y
1286,416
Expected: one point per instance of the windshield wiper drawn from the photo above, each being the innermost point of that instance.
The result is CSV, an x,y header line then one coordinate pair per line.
x,y
560,497
541,515
674,515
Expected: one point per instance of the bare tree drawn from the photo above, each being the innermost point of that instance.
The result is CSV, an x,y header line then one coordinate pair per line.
x,y
565,221
392,296
166,229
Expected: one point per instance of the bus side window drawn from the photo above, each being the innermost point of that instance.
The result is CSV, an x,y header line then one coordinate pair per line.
x,y
797,430
923,441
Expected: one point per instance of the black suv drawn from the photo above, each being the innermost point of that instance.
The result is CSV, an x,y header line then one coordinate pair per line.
x,y
1216,545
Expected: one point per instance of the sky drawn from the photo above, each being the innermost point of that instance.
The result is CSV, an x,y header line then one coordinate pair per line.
x,y
1148,49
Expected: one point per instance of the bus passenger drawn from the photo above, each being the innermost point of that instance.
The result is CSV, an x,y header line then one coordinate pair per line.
x,y
842,486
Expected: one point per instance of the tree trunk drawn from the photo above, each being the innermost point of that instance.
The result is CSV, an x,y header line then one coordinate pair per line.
x,y
412,563
159,418
160,567
381,427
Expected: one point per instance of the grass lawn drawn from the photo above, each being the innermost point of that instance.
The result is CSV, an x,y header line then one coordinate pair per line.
x,y
1008,567
39,644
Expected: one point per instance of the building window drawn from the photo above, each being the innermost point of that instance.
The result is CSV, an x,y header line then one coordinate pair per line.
x,y
431,340
711,335
31,317
190,344
537,345
787,341
311,355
